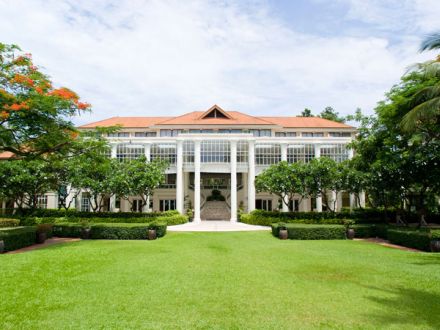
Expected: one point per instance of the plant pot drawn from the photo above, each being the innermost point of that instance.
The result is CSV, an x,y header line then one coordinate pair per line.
x,y
435,245
41,238
2,246
350,233
283,234
152,234
85,233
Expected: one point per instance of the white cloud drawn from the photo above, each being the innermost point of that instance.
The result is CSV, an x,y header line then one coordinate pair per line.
x,y
170,57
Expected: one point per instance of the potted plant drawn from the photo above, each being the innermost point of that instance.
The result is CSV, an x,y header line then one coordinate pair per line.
x,y
85,229
349,230
152,231
435,241
42,232
2,246
282,231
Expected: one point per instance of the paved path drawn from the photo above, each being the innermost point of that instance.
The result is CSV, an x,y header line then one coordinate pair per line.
x,y
48,242
213,225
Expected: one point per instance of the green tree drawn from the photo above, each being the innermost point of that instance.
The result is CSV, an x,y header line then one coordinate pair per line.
x,y
331,114
23,181
138,177
306,113
34,116
283,180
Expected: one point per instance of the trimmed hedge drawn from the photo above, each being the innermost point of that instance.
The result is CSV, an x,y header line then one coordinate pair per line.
x,y
52,213
370,230
311,231
417,239
169,219
110,230
6,222
17,238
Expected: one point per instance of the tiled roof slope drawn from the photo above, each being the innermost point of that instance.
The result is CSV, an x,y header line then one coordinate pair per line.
x,y
235,118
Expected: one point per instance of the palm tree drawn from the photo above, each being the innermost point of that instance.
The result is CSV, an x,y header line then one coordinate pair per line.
x,y
425,104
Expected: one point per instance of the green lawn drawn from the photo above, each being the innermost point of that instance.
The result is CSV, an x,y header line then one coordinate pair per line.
x,y
219,280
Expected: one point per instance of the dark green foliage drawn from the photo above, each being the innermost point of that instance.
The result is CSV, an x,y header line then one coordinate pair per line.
x,y
110,230
77,214
312,232
17,238
417,239
46,228
216,195
5,222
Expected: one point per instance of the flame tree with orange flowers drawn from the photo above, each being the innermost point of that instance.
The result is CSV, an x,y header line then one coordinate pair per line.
x,y
34,116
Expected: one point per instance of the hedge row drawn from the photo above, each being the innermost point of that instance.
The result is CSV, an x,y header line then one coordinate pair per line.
x,y
370,230
360,216
53,213
110,230
6,222
311,232
169,219
17,238
417,239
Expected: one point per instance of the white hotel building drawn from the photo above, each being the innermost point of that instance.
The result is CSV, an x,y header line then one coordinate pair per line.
x,y
223,150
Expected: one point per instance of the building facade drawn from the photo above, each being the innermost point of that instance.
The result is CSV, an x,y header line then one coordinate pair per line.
x,y
223,151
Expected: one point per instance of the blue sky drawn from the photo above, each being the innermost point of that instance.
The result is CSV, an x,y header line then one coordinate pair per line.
x,y
265,57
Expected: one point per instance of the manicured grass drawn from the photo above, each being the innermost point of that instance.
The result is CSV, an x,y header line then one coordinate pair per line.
x,y
219,280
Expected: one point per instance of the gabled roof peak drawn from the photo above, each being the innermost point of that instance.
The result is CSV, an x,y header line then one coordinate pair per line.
x,y
215,112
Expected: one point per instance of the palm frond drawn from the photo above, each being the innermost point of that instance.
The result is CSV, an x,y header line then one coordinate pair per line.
x,y
423,112
424,95
431,42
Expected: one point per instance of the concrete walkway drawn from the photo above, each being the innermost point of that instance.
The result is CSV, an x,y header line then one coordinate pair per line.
x,y
213,225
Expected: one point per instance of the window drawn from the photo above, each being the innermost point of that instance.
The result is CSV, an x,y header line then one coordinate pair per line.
x,y
170,132
145,134
42,201
170,181
85,202
288,134
263,204
242,152
312,134
300,153
188,152
267,154
260,132
119,134
337,152
129,151
117,202
167,204
137,205
215,151
294,205
232,131
164,151
339,134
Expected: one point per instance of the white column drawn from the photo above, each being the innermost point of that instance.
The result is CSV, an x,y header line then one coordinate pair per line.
x,y
179,177
352,197
233,181
197,181
362,199
334,201
251,177
147,153
285,207
3,206
319,197
113,197
113,152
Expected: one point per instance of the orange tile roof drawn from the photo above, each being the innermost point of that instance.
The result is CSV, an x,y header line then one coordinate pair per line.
x,y
235,118
195,118
134,122
305,122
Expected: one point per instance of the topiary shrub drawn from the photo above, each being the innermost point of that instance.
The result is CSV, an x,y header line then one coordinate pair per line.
x,y
18,237
311,231
7,222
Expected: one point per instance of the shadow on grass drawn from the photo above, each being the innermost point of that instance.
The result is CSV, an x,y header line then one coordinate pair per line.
x,y
428,259
406,307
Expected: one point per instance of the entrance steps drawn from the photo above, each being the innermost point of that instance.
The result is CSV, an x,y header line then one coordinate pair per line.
x,y
215,210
